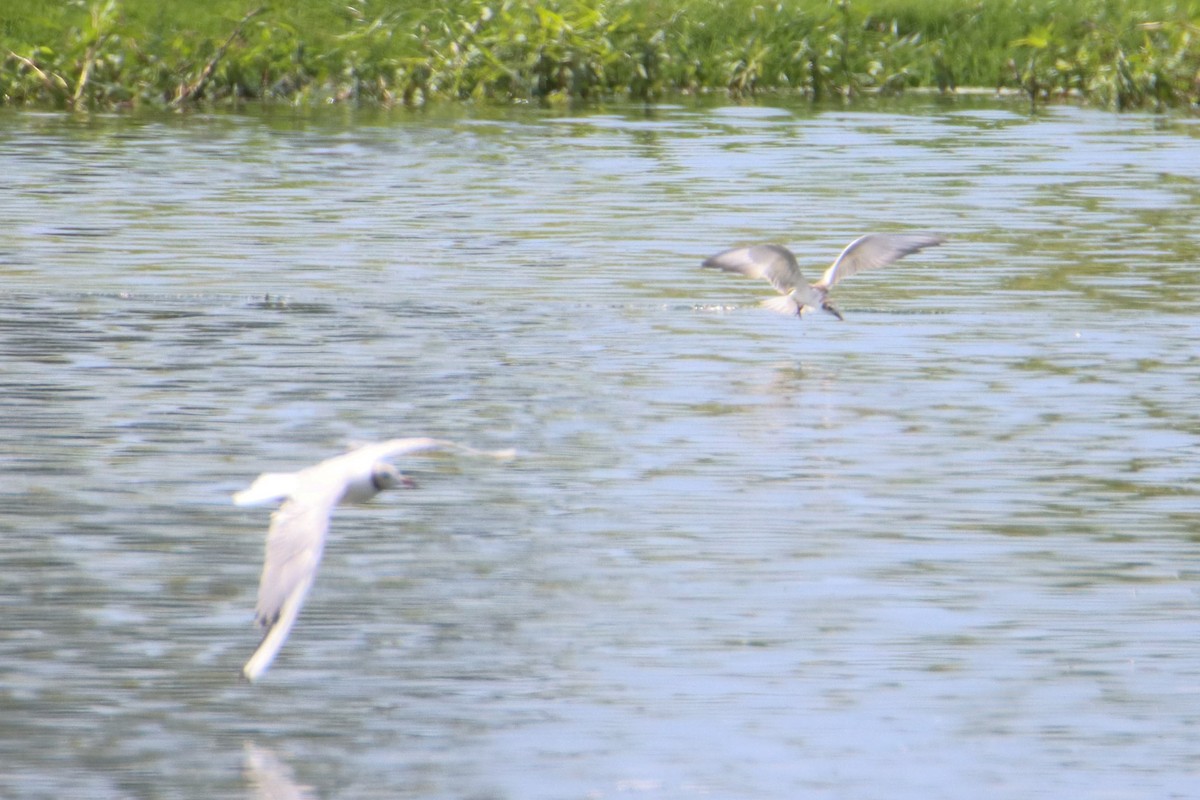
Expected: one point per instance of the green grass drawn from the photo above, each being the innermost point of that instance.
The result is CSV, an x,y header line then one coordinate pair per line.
x,y
118,53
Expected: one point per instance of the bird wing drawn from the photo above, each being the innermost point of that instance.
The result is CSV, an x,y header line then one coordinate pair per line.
x,y
399,447
295,543
267,488
875,250
771,261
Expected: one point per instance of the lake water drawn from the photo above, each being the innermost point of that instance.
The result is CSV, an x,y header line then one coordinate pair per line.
x,y
947,548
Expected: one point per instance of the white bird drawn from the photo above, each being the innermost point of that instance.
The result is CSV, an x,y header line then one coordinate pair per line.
x,y
296,537
778,265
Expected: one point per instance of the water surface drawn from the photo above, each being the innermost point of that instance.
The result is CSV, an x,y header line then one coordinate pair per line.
x,y
946,548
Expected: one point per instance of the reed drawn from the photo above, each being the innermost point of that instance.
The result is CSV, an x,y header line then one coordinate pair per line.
x,y
128,53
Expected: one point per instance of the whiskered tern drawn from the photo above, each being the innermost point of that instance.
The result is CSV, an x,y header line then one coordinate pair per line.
x,y
778,265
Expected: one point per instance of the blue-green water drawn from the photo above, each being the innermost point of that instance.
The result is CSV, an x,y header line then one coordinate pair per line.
x,y
947,548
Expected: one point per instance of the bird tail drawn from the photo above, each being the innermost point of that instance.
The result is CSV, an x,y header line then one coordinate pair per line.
x,y
784,304
267,488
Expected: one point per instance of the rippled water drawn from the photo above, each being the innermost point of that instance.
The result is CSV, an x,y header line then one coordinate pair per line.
x,y
945,549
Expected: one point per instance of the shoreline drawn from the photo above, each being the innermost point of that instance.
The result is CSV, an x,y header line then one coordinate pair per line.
x,y
121,54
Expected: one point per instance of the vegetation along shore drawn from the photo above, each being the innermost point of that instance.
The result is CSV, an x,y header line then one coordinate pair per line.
x,y
106,54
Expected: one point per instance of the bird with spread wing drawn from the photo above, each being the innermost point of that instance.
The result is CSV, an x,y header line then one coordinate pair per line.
x,y
296,537
778,265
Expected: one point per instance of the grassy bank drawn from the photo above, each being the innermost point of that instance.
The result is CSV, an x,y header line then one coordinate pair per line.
x,y
121,53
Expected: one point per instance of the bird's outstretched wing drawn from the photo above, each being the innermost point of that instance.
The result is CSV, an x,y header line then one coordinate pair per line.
x,y
876,250
771,261
399,447
295,543
270,487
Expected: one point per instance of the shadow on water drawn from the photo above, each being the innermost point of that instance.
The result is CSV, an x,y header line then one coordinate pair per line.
x,y
946,544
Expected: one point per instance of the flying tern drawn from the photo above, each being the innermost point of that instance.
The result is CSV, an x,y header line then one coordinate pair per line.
x,y
778,265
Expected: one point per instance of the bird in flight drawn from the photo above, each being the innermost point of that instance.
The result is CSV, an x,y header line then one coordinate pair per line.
x,y
296,536
778,265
